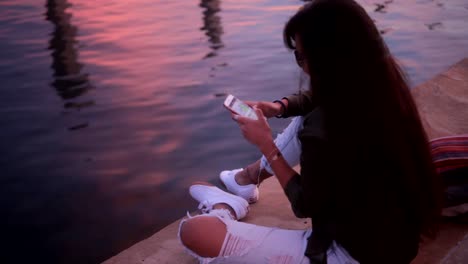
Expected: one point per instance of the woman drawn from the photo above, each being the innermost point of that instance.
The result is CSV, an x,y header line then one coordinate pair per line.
x,y
367,180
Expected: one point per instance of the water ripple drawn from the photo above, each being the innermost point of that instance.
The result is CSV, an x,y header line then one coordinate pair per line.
x,y
110,109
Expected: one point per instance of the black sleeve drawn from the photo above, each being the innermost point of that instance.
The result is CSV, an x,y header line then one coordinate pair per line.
x,y
295,196
316,175
309,192
300,104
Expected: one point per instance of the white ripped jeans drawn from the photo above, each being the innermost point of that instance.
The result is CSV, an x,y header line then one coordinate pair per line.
x,y
248,243
288,143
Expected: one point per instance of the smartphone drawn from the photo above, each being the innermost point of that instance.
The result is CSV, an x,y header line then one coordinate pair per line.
x,y
239,107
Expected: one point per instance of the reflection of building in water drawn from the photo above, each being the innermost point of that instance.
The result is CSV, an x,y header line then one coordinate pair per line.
x,y
212,25
68,79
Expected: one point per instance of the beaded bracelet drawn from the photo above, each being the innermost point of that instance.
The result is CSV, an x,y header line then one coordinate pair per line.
x,y
283,108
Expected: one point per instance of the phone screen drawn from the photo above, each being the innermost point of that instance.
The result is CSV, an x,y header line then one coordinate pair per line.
x,y
241,108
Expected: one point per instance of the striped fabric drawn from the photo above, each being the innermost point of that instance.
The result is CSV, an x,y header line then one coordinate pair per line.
x,y
450,153
450,156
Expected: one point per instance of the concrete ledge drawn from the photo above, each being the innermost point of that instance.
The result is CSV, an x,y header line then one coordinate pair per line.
x,y
273,209
443,104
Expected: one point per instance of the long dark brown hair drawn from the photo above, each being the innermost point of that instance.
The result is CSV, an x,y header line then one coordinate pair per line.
x,y
370,119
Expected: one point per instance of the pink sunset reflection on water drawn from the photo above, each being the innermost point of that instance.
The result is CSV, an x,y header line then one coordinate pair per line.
x,y
113,108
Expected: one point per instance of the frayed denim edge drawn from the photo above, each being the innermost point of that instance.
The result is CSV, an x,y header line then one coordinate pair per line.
x,y
218,213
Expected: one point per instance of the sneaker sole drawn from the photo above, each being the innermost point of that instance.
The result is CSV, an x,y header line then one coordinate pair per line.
x,y
250,200
235,198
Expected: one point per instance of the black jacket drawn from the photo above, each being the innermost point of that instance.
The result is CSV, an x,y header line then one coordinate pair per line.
x,y
372,225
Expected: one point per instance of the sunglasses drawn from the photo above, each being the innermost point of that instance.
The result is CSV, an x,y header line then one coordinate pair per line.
x,y
299,58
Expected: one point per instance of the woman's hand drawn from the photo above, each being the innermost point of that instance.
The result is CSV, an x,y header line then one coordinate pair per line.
x,y
269,109
257,132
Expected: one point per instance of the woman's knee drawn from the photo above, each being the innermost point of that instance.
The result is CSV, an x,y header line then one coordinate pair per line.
x,y
204,235
189,230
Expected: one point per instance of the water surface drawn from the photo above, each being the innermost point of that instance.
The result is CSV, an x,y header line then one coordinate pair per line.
x,y
110,109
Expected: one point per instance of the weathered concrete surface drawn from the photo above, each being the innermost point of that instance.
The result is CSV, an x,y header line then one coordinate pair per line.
x,y
458,254
443,104
273,209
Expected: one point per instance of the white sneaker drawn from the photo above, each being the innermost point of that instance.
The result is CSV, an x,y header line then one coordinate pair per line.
x,y
249,192
210,195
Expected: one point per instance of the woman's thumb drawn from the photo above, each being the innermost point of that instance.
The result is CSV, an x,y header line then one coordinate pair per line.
x,y
258,111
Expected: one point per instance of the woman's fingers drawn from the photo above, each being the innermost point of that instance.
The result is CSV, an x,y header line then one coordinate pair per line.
x,y
254,131
251,103
260,114
234,116
241,119
258,111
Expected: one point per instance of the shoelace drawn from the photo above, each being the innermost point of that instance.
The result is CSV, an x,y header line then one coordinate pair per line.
x,y
205,206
